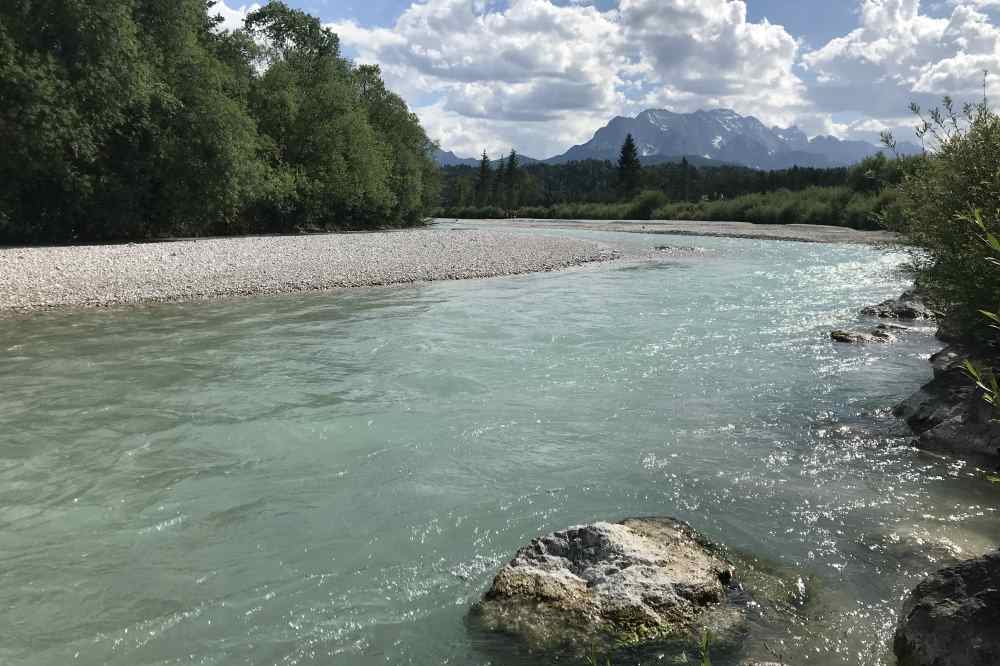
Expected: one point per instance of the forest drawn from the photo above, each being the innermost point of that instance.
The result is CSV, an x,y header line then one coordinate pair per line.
x,y
862,196
139,119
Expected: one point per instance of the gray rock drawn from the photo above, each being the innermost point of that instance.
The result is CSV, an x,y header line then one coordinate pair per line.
x,y
893,327
949,414
952,617
907,307
951,329
851,337
606,586
862,338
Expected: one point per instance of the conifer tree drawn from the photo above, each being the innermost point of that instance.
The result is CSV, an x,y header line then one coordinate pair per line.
x,y
484,181
629,168
512,177
500,184
685,180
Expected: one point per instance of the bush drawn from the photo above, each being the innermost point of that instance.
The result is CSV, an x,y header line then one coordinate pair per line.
x,y
643,206
937,201
475,213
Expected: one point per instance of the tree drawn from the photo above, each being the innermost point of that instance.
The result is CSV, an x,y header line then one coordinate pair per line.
x,y
629,168
142,118
66,91
414,176
499,194
938,194
325,147
512,177
484,181
685,180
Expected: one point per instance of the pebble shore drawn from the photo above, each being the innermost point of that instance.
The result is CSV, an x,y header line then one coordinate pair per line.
x,y
107,275
802,233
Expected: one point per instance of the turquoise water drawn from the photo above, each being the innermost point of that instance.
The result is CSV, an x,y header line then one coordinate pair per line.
x,y
334,478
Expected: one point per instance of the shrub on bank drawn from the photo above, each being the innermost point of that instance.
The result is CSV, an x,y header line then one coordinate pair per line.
x,y
837,206
645,205
956,182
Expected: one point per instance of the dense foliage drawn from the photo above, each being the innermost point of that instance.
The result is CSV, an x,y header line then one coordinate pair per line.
x,y
142,118
951,202
857,197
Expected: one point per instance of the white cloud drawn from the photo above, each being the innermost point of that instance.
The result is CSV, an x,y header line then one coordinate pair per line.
x,y
899,54
706,54
522,74
541,76
232,19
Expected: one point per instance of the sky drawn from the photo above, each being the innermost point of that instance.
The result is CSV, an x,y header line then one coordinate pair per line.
x,y
540,76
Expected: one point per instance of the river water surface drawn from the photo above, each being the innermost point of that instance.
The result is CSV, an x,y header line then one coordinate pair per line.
x,y
334,478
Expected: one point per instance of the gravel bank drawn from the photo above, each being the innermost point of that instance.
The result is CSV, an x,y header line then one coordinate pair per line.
x,y
103,275
806,233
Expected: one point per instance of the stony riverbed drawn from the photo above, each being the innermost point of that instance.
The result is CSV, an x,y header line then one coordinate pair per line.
x,y
101,275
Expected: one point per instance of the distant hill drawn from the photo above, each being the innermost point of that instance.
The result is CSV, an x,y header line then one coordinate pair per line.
x,y
714,137
448,158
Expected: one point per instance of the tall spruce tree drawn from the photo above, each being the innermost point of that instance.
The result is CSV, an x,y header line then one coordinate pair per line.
x,y
629,168
512,176
685,180
484,181
499,184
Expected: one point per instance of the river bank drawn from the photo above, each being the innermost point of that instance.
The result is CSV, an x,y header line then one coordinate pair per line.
x,y
178,270
105,275
803,233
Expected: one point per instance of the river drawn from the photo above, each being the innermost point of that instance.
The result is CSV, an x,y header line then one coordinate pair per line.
x,y
334,478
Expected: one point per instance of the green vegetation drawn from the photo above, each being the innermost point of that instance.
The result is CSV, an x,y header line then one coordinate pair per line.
x,y
130,119
986,378
950,205
838,206
950,202
705,647
860,197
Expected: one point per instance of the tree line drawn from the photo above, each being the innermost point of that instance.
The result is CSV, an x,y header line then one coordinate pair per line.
x,y
132,119
682,190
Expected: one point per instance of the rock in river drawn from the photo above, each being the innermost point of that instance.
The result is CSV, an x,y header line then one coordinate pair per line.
x,y
861,338
908,306
608,585
949,414
952,618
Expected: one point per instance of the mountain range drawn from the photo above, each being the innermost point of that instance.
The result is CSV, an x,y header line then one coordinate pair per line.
x,y
448,158
718,136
